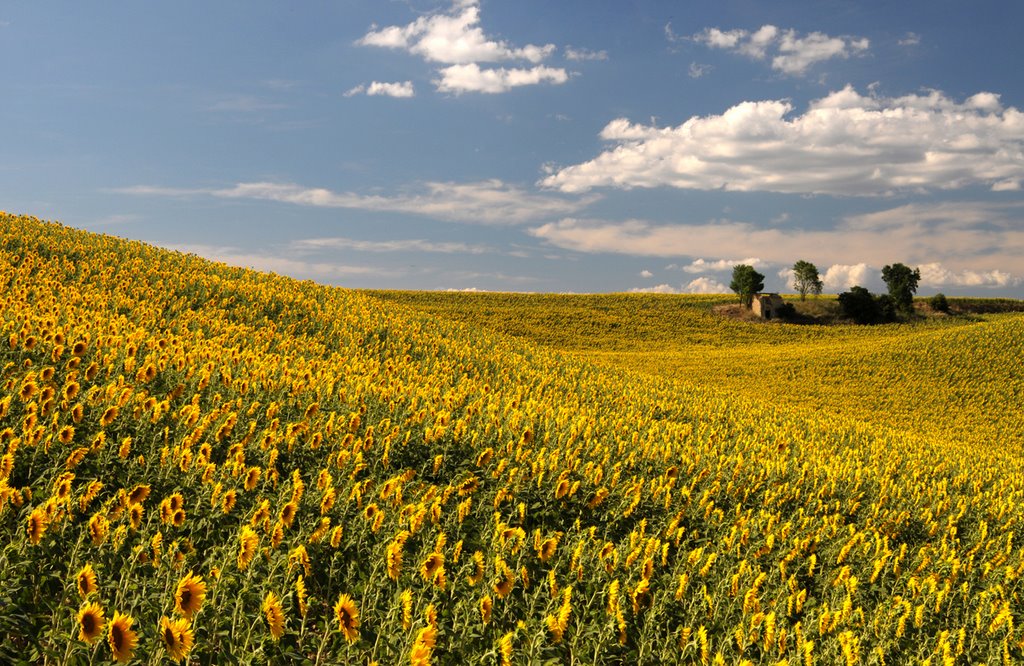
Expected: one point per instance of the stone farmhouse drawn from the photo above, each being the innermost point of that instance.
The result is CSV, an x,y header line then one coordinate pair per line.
x,y
766,306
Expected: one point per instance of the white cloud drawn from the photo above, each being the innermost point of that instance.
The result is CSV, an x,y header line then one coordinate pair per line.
x,y
937,275
791,53
455,38
697,70
452,38
844,144
398,245
706,285
584,54
471,78
376,88
702,266
486,202
840,277
646,273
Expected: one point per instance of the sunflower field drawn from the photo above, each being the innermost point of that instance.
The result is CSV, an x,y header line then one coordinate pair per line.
x,y
206,464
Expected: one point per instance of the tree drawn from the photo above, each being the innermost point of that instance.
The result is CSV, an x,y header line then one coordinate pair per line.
x,y
806,279
746,282
902,283
863,307
859,305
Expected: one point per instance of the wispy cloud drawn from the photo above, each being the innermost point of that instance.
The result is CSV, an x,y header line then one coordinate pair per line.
x,y
844,144
489,202
968,243
280,263
398,245
584,54
910,39
790,52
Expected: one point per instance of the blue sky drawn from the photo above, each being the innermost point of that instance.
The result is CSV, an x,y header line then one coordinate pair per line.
x,y
576,146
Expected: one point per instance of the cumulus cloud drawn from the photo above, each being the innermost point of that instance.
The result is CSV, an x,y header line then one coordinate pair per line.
x,y
706,285
790,52
937,275
472,78
455,38
490,202
646,273
703,266
377,88
840,277
844,144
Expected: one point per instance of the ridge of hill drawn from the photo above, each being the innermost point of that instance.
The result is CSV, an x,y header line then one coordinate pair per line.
x,y
236,466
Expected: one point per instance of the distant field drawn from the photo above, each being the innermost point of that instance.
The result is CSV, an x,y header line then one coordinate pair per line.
x,y
952,378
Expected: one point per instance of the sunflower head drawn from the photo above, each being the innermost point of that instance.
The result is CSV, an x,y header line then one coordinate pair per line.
x,y
122,638
90,622
190,594
274,614
348,617
86,581
177,637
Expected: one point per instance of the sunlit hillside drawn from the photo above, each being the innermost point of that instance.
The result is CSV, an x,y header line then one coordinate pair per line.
x,y
952,379
211,465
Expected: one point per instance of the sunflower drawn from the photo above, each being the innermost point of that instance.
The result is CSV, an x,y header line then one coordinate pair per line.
x,y
248,541
275,615
228,501
485,608
252,477
66,434
86,581
431,566
37,524
177,637
122,638
90,622
190,594
108,416
423,647
505,648
300,596
135,515
138,494
348,617
287,514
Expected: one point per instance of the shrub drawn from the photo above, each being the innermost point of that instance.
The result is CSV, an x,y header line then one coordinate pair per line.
x,y
939,303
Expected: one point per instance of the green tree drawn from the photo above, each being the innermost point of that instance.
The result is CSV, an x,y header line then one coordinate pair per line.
x,y
902,284
806,279
859,305
746,282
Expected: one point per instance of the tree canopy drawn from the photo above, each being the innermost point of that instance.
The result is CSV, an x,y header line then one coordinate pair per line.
x,y
746,282
806,279
902,284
